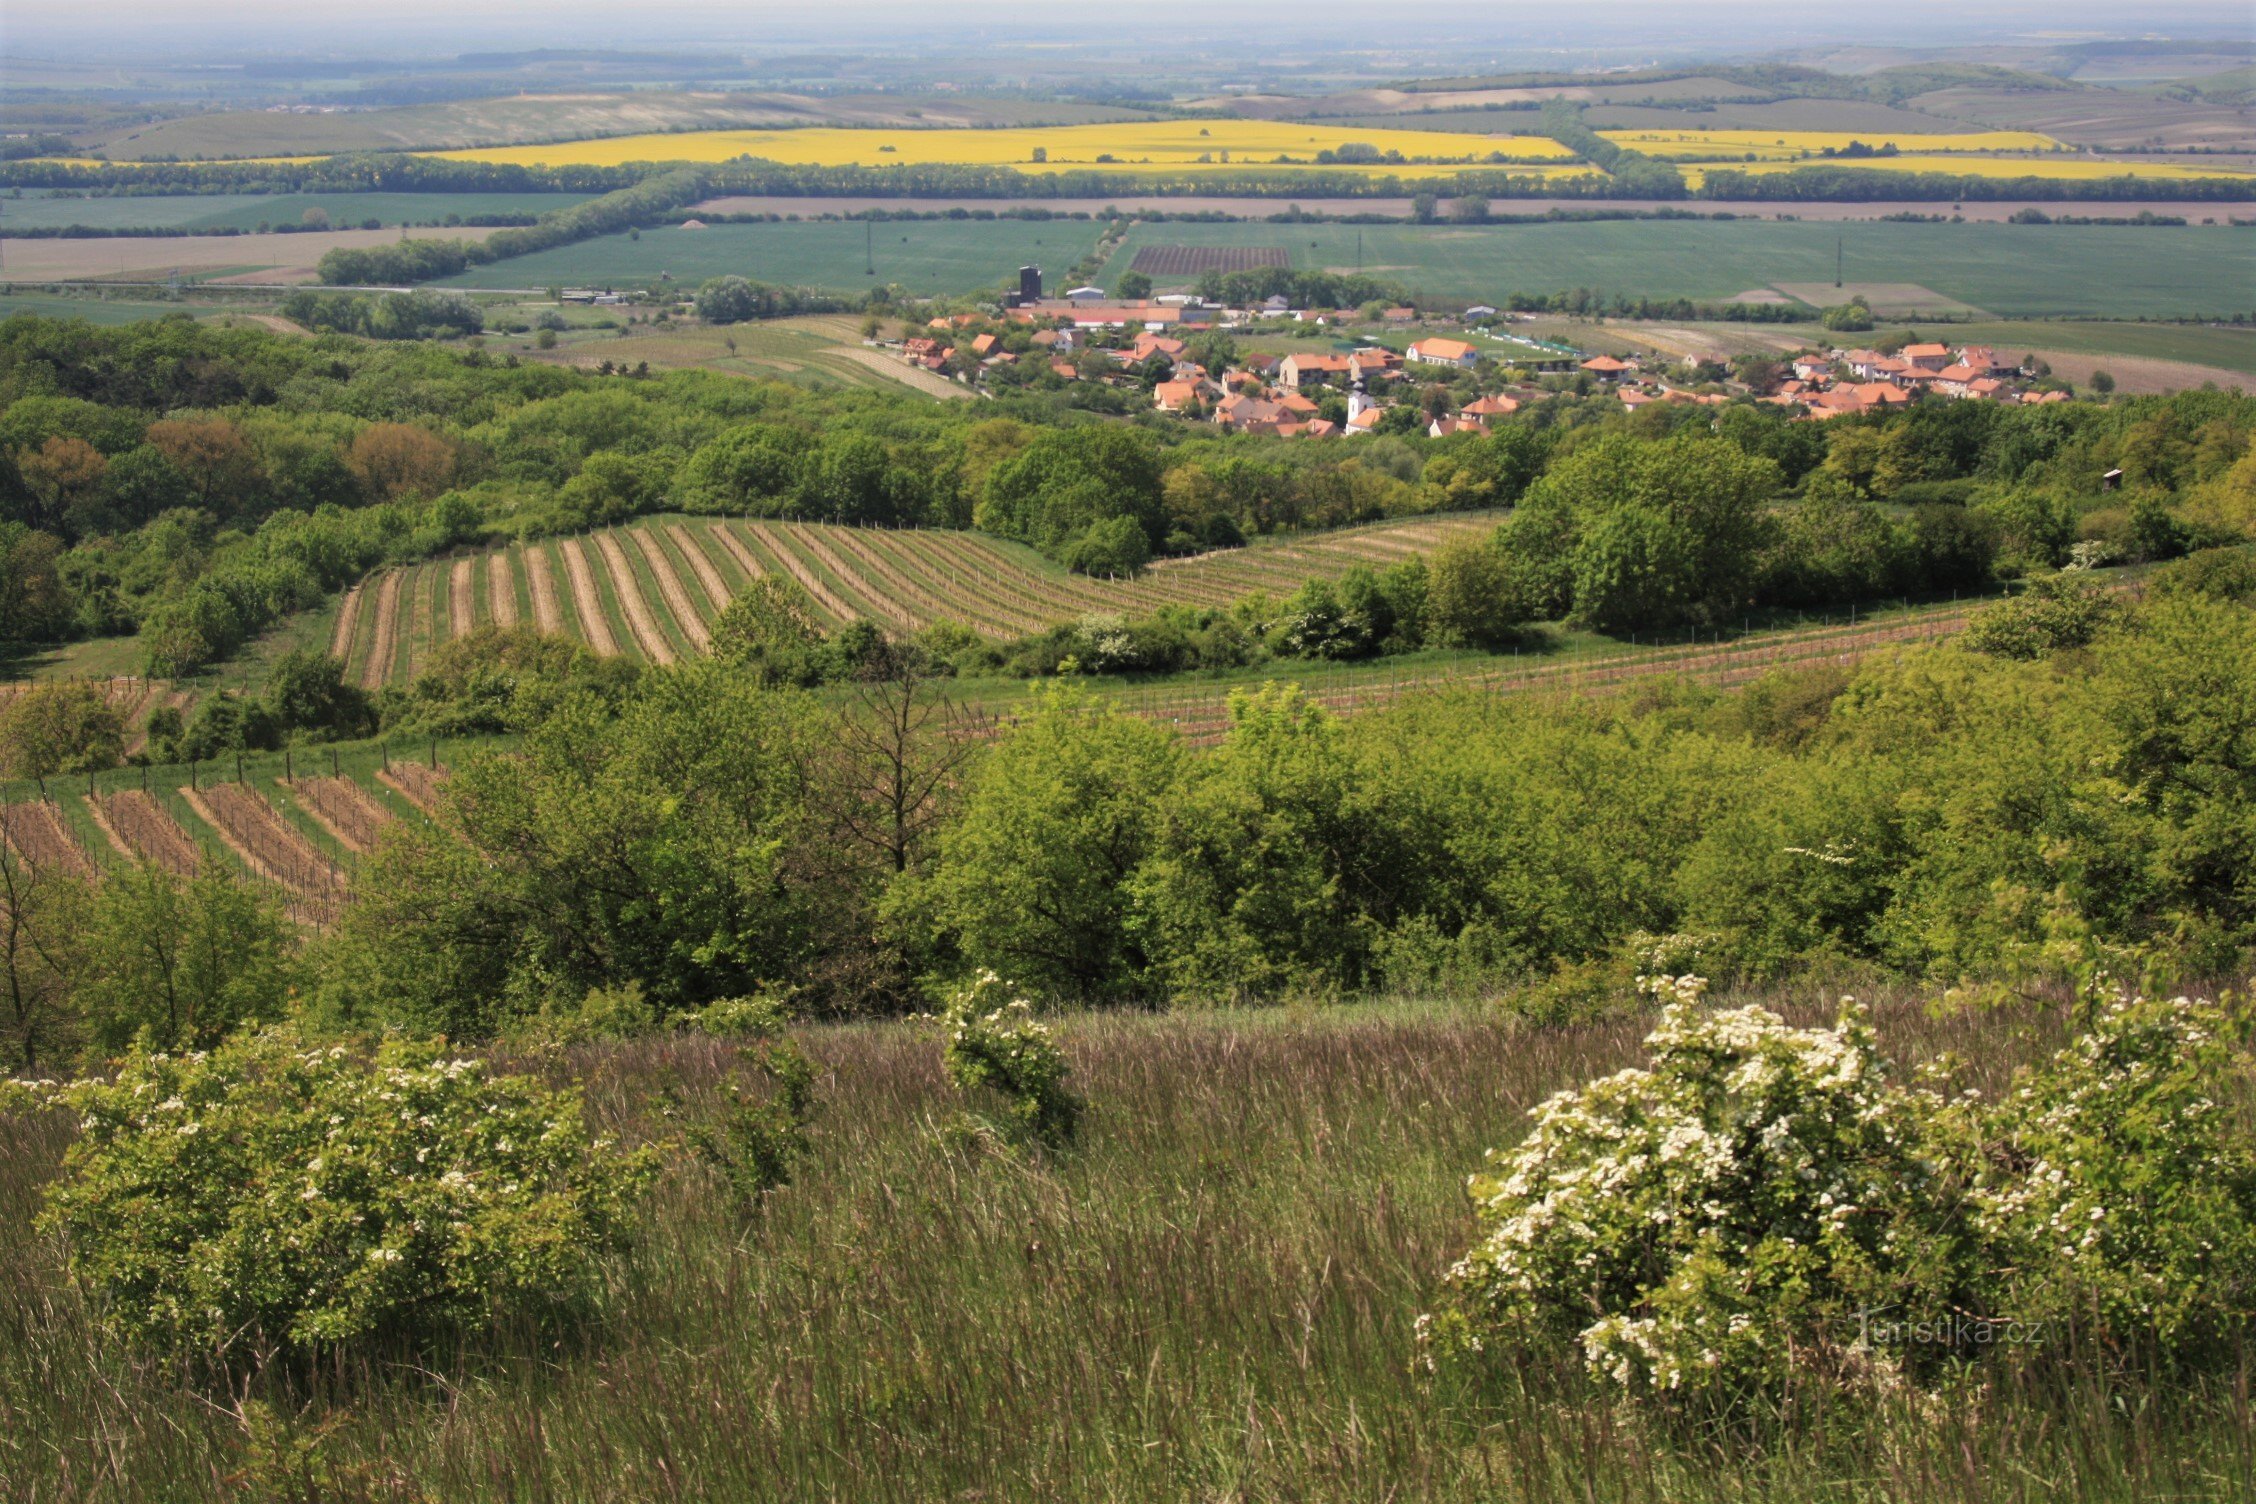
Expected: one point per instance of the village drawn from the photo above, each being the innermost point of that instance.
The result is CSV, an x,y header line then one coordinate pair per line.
x,y
1403,369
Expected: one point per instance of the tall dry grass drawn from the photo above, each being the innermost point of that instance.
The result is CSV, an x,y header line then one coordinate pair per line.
x,y
1212,1298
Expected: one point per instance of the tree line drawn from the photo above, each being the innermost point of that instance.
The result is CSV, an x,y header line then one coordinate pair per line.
x,y
703,831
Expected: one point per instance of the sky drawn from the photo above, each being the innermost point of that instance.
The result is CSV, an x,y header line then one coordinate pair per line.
x,y
197,27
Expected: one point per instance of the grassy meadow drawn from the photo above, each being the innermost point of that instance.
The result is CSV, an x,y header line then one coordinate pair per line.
x,y
2225,348
1212,1297
2009,270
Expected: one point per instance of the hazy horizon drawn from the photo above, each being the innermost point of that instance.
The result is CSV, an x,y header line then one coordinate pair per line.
x,y
144,31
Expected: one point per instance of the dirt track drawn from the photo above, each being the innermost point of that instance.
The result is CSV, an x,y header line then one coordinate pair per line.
x,y
628,589
893,368
587,601
348,613
672,591
540,581
379,669
462,599
501,589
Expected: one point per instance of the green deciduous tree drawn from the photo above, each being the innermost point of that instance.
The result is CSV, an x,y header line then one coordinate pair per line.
x,y
1034,878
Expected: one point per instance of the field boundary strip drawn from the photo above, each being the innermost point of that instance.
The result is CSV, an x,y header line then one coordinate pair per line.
x,y
540,583
501,588
586,604
708,574
672,593
640,620
376,669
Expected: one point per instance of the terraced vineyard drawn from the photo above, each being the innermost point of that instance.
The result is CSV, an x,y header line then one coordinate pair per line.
x,y
294,825
651,590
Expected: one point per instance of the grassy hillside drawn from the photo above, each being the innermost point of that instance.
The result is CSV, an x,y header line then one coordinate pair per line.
x,y
1213,1297
651,589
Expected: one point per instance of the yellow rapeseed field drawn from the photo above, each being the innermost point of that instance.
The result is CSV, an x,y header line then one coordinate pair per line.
x,y
1721,146
2076,169
1128,146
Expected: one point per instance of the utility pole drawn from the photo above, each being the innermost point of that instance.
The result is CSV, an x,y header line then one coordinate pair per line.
x,y
1840,246
869,247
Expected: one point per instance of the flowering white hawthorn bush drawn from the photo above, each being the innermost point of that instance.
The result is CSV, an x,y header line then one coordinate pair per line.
x,y
1695,1225
994,1041
2120,1183
1761,1206
268,1198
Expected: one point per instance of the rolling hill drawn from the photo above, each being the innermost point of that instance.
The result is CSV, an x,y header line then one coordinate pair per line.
x,y
651,589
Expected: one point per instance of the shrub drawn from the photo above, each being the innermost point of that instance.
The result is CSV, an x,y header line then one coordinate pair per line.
x,y
2119,1189
63,726
2051,615
269,1200
996,1045
753,1143
1761,1210
1703,1227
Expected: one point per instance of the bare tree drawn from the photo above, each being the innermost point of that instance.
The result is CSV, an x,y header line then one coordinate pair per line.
x,y
900,746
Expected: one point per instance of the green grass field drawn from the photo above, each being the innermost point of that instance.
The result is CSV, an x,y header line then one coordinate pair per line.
x,y
95,310
2197,344
1212,1297
2029,271
925,256
246,211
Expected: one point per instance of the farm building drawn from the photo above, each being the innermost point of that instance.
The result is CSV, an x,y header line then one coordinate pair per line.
x,y
1444,352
